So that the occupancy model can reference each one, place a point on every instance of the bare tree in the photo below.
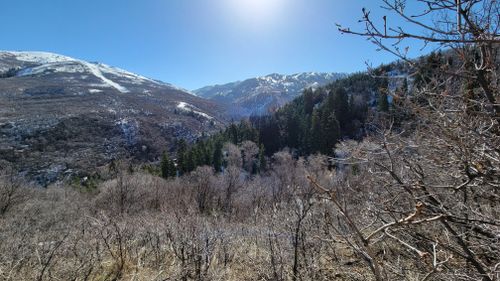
(430, 183)
(231, 176)
(249, 152)
(204, 193)
(471, 28)
(12, 189)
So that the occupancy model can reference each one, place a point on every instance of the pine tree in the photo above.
(198, 158)
(341, 107)
(316, 139)
(182, 156)
(208, 153)
(165, 166)
(172, 169)
(331, 133)
(232, 133)
(306, 138)
(293, 129)
(308, 101)
(190, 160)
(217, 156)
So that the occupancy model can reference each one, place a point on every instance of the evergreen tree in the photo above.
(306, 138)
(308, 101)
(172, 169)
(330, 133)
(167, 167)
(269, 133)
(341, 107)
(232, 134)
(198, 158)
(190, 160)
(316, 138)
(182, 157)
(293, 129)
(217, 156)
(208, 153)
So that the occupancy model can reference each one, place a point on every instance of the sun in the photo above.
(255, 14)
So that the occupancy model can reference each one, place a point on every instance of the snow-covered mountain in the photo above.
(43, 63)
(264, 94)
(60, 116)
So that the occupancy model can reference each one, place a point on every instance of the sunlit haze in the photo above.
(255, 15)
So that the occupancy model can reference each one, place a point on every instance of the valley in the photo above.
(381, 164)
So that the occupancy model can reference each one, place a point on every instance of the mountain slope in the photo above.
(62, 116)
(264, 94)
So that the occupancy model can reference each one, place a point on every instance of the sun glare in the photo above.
(255, 14)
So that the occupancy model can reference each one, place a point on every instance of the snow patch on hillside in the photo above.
(130, 130)
(68, 67)
(38, 57)
(96, 71)
(125, 74)
(191, 108)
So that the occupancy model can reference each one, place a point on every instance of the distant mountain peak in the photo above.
(262, 94)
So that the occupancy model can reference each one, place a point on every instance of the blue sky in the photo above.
(193, 43)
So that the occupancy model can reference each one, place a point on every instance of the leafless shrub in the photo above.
(159, 231)
(12, 189)
(249, 151)
(284, 171)
(204, 192)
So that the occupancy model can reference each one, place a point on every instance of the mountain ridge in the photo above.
(264, 94)
(63, 117)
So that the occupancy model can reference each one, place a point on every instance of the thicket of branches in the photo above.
(200, 226)
(434, 180)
